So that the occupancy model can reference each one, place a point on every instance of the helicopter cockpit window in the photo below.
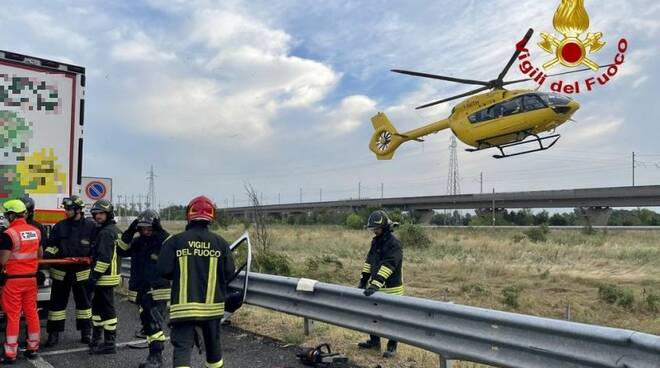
(533, 102)
(555, 99)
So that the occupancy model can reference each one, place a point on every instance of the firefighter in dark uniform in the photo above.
(104, 277)
(29, 205)
(200, 264)
(153, 291)
(71, 237)
(382, 269)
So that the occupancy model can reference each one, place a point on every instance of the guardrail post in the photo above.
(444, 363)
(308, 326)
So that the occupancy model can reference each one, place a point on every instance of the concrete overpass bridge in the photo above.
(596, 203)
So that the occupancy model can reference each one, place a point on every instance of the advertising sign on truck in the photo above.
(41, 126)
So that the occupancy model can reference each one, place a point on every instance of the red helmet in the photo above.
(200, 208)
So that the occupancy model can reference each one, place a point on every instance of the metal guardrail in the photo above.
(459, 332)
(455, 332)
(551, 227)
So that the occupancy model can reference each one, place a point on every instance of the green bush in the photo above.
(511, 296)
(474, 289)
(517, 238)
(538, 234)
(355, 221)
(413, 236)
(272, 263)
(612, 294)
(652, 301)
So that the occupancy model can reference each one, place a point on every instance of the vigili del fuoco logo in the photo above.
(572, 49)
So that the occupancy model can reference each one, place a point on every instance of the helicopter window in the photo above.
(512, 106)
(555, 99)
(532, 102)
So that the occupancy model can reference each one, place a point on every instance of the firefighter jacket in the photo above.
(42, 231)
(70, 238)
(382, 267)
(105, 261)
(144, 253)
(24, 257)
(200, 266)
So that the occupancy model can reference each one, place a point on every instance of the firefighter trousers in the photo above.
(20, 294)
(103, 309)
(152, 316)
(63, 283)
(183, 339)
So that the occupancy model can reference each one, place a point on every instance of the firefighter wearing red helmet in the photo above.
(200, 265)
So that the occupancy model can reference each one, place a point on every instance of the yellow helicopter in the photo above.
(498, 119)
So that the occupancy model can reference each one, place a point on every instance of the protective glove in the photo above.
(133, 227)
(370, 290)
(156, 225)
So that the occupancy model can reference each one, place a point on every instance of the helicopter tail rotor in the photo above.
(386, 139)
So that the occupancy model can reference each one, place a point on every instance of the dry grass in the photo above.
(472, 267)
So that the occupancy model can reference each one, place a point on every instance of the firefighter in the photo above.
(104, 277)
(29, 205)
(382, 269)
(71, 237)
(153, 291)
(19, 257)
(200, 264)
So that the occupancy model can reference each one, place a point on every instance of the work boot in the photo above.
(372, 343)
(5, 361)
(107, 347)
(140, 334)
(86, 336)
(53, 339)
(391, 349)
(155, 358)
(31, 354)
(97, 334)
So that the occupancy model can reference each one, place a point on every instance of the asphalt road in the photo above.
(241, 349)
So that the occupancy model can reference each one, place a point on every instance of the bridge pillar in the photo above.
(423, 216)
(596, 216)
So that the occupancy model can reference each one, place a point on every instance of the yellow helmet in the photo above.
(14, 205)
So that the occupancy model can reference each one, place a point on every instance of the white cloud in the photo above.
(352, 112)
(139, 48)
(607, 126)
(46, 27)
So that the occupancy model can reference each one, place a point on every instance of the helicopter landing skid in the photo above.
(485, 145)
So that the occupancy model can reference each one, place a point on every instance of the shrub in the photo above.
(652, 301)
(414, 236)
(273, 263)
(517, 238)
(511, 295)
(354, 221)
(538, 234)
(474, 289)
(612, 294)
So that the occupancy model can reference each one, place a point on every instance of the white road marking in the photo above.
(39, 362)
(78, 350)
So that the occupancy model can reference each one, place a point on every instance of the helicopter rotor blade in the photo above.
(554, 75)
(469, 93)
(519, 47)
(441, 77)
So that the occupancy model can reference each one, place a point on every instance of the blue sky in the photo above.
(279, 93)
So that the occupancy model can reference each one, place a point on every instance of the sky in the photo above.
(217, 95)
